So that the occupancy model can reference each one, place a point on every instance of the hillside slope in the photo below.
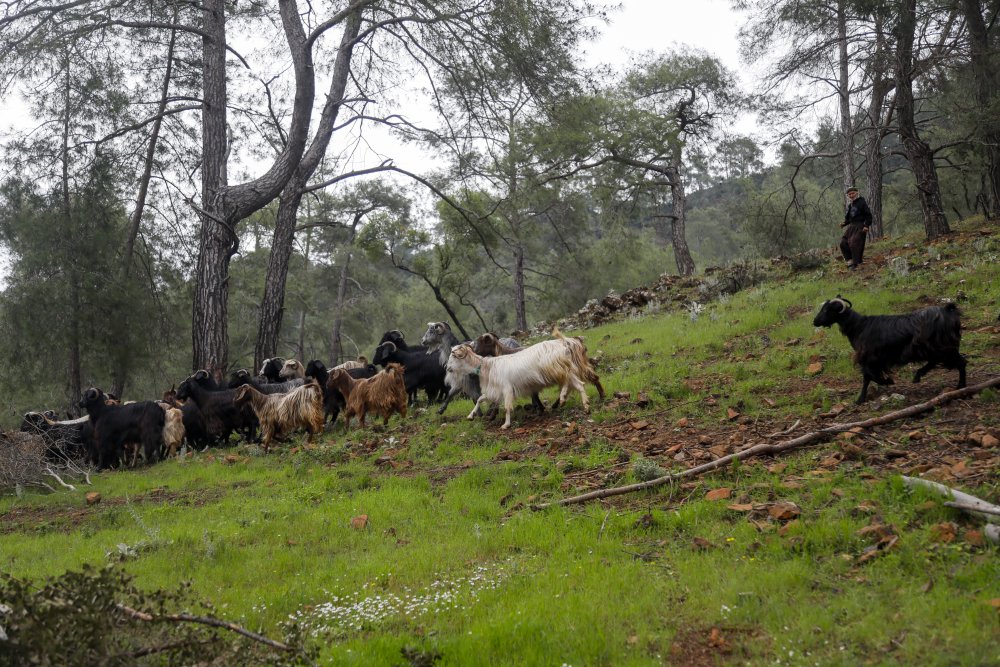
(821, 556)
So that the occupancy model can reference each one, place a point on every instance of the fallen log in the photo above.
(779, 447)
(964, 502)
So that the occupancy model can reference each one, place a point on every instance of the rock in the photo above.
(989, 442)
(93, 498)
(682, 422)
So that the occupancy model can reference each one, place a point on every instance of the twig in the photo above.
(971, 507)
(51, 473)
(204, 620)
(767, 448)
(787, 430)
(603, 523)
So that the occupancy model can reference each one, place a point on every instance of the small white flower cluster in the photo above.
(694, 310)
(355, 612)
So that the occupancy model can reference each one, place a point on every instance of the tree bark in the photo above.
(120, 372)
(984, 73)
(222, 205)
(74, 379)
(272, 304)
(336, 349)
(844, 95)
(682, 254)
(876, 131)
(917, 151)
(519, 306)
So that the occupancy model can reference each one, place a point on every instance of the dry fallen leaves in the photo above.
(93, 498)
(814, 368)
(719, 494)
(359, 522)
(944, 532)
(784, 511)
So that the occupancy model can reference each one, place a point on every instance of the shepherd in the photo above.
(857, 219)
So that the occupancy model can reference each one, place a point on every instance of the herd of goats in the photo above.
(287, 396)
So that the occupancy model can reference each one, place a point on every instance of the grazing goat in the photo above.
(383, 394)
(490, 345)
(242, 377)
(422, 370)
(282, 413)
(292, 370)
(562, 362)
(395, 337)
(173, 429)
(220, 414)
(117, 425)
(439, 341)
(333, 399)
(881, 342)
(271, 368)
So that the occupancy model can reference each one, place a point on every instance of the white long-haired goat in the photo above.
(560, 362)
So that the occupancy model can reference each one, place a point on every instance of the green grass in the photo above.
(451, 563)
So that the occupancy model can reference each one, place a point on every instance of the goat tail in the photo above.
(557, 334)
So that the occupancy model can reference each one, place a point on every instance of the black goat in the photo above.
(421, 370)
(242, 377)
(396, 338)
(116, 425)
(881, 342)
(439, 341)
(333, 399)
(271, 369)
(221, 415)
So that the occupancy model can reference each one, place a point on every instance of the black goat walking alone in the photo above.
(881, 342)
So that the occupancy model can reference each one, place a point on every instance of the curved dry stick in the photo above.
(776, 448)
(204, 620)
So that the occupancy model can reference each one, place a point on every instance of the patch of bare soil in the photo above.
(67, 519)
(716, 645)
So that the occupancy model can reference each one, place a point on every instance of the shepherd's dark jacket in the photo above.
(858, 212)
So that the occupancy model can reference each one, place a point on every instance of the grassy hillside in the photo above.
(450, 566)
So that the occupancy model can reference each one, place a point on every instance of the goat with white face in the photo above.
(502, 379)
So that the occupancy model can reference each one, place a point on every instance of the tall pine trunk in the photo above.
(272, 304)
(844, 95)
(218, 242)
(678, 238)
(985, 76)
(74, 381)
(519, 306)
(917, 151)
(120, 372)
(875, 131)
(336, 347)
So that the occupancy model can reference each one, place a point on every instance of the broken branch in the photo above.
(204, 620)
(766, 448)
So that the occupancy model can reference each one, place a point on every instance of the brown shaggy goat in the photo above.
(282, 413)
(173, 428)
(382, 394)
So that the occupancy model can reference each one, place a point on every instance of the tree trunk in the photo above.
(120, 372)
(222, 205)
(844, 95)
(74, 382)
(875, 132)
(682, 254)
(301, 354)
(336, 348)
(519, 307)
(272, 305)
(984, 73)
(210, 327)
(917, 151)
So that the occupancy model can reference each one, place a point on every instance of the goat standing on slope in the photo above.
(281, 413)
(562, 362)
(383, 394)
(881, 342)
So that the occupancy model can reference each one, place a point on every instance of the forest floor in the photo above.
(416, 544)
